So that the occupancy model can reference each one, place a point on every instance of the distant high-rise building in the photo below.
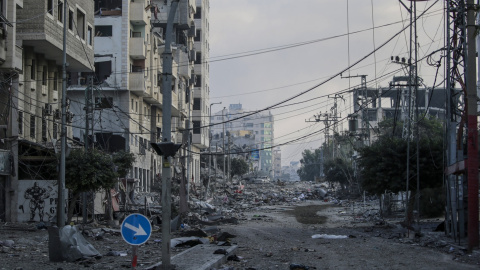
(261, 126)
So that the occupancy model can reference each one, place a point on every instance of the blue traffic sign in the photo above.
(136, 229)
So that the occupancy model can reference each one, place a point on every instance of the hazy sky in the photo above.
(263, 52)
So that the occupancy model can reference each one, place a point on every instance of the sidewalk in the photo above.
(199, 257)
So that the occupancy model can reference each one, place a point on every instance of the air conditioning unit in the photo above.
(48, 109)
(57, 114)
(70, 116)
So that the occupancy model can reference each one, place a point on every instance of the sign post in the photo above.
(136, 229)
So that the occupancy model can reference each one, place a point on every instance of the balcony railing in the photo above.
(136, 83)
(138, 14)
(137, 48)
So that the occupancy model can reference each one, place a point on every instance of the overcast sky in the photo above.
(296, 45)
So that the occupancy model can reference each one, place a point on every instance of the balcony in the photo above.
(183, 17)
(154, 96)
(138, 14)
(200, 141)
(137, 48)
(136, 83)
(178, 124)
(183, 62)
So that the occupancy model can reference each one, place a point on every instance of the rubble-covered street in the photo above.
(276, 226)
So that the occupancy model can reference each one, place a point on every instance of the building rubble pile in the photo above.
(227, 204)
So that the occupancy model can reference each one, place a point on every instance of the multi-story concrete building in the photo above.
(277, 162)
(260, 124)
(31, 61)
(125, 111)
(201, 89)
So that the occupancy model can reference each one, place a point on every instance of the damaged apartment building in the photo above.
(114, 95)
(122, 100)
(31, 60)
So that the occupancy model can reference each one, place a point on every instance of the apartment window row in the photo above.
(44, 76)
(83, 30)
(33, 127)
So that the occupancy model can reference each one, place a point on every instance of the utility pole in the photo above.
(167, 137)
(210, 147)
(61, 177)
(327, 119)
(229, 159)
(455, 65)
(472, 140)
(334, 109)
(189, 147)
(223, 147)
(88, 120)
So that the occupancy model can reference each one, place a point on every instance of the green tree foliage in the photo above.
(239, 167)
(123, 162)
(89, 171)
(383, 165)
(93, 170)
(339, 171)
(310, 165)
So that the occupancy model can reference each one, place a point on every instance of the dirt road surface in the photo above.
(280, 237)
(269, 237)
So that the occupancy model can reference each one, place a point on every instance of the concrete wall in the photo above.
(37, 203)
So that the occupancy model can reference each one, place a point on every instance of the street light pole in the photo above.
(209, 146)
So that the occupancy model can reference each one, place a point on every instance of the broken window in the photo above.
(20, 122)
(197, 104)
(103, 30)
(80, 24)
(89, 36)
(50, 7)
(196, 127)
(103, 70)
(32, 126)
(198, 14)
(70, 20)
(55, 132)
(44, 129)
(44, 75)
(198, 35)
(60, 11)
(32, 70)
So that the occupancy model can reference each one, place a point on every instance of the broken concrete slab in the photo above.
(200, 257)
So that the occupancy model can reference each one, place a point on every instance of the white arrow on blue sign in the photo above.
(136, 229)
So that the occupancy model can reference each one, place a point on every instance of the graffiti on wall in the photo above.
(37, 200)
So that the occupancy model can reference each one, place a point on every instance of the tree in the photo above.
(310, 165)
(239, 167)
(123, 163)
(91, 171)
(383, 165)
(339, 171)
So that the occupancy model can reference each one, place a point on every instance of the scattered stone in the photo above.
(8, 243)
(220, 251)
